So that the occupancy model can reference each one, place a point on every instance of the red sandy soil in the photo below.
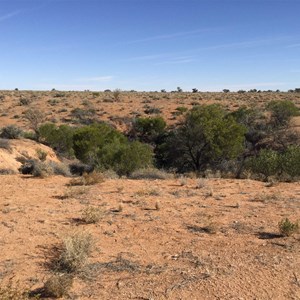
(57, 106)
(141, 252)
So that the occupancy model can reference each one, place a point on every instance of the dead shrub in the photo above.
(42, 169)
(74, 253)
(58, 285)
(91, 215)
(150, 173)
(88, 179)
(4, 144)
(5, 171)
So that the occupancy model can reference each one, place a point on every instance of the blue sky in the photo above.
(150, 44)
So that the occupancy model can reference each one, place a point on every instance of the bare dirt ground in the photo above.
(161, 239)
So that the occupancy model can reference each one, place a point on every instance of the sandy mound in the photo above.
(12, 150)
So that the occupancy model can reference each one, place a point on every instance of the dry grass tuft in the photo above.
(88, 179)
(75, 251)
(58, 285)
(91, 215)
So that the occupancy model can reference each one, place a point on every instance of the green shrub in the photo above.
(126, 157)
(148, 129)
(11, 132)
(288, 228)
(282, 111)
(59, 138)
(104, 147)
(290, 162)
(267, 163)
(84, 116)
(89, 139)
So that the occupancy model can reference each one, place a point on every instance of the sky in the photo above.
(149, 45)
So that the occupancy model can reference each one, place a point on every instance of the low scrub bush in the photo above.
(58, 285)
(11, 132)
(102, 146)
(290, 161)
(43, 169)
(75, 251)
(91, 215)
(288, 228)
(88, 179)
(4, 144)
(59, 138)
(5, 171)
(267, 163)
(150, 173)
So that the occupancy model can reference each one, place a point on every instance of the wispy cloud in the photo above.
(96, 79)
(178, 60)
(9, 15)
(248, 44)
(170, 57)
(181, 34)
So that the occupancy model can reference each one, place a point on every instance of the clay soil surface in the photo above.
(161, 239)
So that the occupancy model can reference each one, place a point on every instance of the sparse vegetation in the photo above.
(11, 132)
(58, 285)
(88, 179)
(13, 291)
(287, 227)
(91, 215)
(75, 250)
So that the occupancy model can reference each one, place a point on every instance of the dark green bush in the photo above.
(59, 138)
(267, 163)
(273, 163)
(206, 136)
(89, 139)
(290, 161)
(104, 147)
(148, 129)
(282, 111)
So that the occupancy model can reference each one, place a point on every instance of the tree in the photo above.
(206, 136)
(148, 129)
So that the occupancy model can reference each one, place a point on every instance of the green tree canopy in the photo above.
(206, 136)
